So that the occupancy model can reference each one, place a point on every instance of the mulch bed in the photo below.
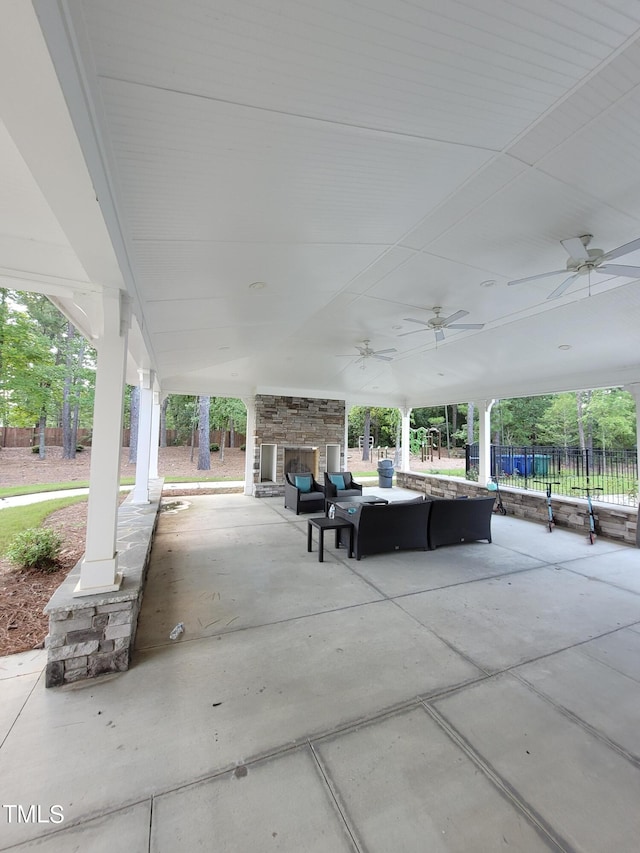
(23, 594)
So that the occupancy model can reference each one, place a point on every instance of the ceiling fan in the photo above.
(438, 323)
(367, 352)
(583, 260)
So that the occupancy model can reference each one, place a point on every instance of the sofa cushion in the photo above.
(337, 480)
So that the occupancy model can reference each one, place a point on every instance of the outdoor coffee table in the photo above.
(356, 500)
(321, 524)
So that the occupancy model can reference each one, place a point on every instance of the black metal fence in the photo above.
(612, 475)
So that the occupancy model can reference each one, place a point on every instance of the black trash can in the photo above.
(385, 474)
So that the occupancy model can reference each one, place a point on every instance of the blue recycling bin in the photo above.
(506, 465)
(385, 474)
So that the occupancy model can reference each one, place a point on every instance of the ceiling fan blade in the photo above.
(614, 269)
(457, 316)
(465, 326)
(439, 335)
(380, 351)
(576, 249)
(413, 320)
(535, 277)
(562, 287)
(633, 246)
(381, 357)
(415, 331)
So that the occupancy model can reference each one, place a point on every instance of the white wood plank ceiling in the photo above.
(366, 160)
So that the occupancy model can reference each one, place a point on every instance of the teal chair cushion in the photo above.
(337, 480)
(303, 482)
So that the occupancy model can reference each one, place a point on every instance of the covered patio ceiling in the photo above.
(362, 162)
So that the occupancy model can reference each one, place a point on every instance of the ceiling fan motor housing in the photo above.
(584, 266)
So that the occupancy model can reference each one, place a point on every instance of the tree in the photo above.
(134, 420)
(46, 370)
(226, 413)
(366, 435)
(69, 434)
(516, 419)
(470, 411)
(383, 422)
(182, 414)
(40, 390)
(163, 421)
(22, 350)
(204, 453)
(611, 411)
(558, 425)
(580, 409)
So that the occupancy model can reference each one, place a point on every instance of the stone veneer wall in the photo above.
(94, 634)
(295, 422)
(614, 522)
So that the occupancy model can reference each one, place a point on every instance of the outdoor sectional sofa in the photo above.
(459, 520)
(419, 523)
(378, 528)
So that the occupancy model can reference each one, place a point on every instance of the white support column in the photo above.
(99, 568)
(250, 444)
(484, 441)
(405, 463)
(143, 456)
(634, 390)
(155, 435)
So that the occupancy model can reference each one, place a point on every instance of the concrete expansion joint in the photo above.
(577, 720)
(497, 779)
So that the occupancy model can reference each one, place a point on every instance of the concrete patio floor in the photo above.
(475, 698)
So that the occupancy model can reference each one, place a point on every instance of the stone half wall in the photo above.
(614, 522)
(295, 422)
(94, 634)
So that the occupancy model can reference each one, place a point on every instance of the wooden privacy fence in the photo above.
(29, 437)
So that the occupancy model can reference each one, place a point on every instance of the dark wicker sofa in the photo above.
(459, 520)
(419, 523)
(379, 528)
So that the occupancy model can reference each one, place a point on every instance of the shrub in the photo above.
(214, 447)
(79, 448)
(35, 448)
(36, 548)
(243, 447)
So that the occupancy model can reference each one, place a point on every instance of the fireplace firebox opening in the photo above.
(301, 460)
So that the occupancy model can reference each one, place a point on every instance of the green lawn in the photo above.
(13, 491)
(575, 486)
(15, 519)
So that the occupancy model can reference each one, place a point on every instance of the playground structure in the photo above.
(425, 442)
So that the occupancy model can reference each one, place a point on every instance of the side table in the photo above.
(323, 523)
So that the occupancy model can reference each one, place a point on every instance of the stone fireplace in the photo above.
(296, 435)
